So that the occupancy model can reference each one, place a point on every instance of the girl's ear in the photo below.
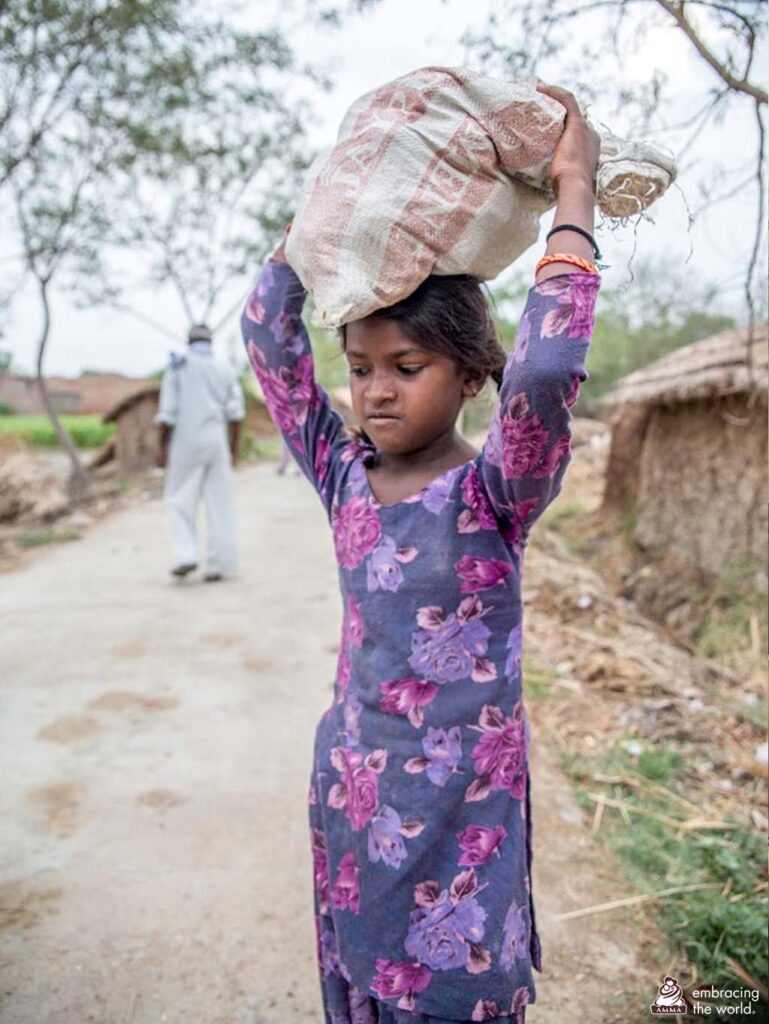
(471, 387)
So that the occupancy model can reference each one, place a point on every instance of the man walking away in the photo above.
(201, 403)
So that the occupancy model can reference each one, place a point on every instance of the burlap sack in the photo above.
(442, 171)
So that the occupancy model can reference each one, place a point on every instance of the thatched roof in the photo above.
(151, 391)
(725, 364)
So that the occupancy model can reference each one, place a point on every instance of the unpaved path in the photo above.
(155, 751)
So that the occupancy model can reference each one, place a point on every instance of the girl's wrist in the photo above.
(573, 184)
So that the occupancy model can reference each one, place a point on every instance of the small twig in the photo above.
(755, 637)
(598, 816)
(632, 901)
(747, 978)
(623, 809)
(129, 1014)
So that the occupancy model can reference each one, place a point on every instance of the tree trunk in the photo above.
(79, 478)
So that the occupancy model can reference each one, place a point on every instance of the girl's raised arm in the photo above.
(279, 351)
(527, 450)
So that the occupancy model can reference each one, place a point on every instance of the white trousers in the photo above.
(188, 480)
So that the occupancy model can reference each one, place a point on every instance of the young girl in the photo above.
(420, 807)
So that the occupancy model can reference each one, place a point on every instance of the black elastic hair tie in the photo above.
(580, 231)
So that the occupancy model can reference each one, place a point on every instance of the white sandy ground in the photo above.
(155, 748)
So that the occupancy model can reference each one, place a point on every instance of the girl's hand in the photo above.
(576, 155)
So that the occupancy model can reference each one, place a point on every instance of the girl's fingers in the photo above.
(564, 97)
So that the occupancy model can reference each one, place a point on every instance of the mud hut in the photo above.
(688, 457)
(135, 444)
(136, 437)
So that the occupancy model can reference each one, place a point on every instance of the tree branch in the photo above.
(675, 8)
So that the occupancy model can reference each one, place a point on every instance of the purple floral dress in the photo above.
(420, 809)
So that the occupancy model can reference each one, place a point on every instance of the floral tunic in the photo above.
(420, 796)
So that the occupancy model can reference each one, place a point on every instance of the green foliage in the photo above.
(86, 431)
(621, 346)
(659, 312)
(561, 511)
(260, 449)
(39, 538)
(727, 919)
(733, 602)
(537, 682)
(330, 362)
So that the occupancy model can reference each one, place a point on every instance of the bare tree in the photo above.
(536, 36)
(61, 215)
(102, 98)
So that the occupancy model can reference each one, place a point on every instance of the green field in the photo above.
(86, 431)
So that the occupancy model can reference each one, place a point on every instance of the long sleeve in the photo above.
(281, 356)
(168, 406)
(528, 447)
(235, 406)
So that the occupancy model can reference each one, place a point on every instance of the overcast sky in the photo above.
(397, 37)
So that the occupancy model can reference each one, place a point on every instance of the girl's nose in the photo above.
(381, 388)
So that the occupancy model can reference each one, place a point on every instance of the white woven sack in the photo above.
(442, 171)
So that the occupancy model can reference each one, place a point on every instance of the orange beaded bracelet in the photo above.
(566, 257)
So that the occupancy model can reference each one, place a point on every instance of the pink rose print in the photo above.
(573, 394)
(383, 571)
(501, 754)
(446, 929)
(485, 1009)
(407, 697)
(320, 868)
(524, 438)
(479, 844)
(551, 460)
(358, 792)
(354, 622)
(522, 340)
(478, 515)
(515, 940)
(345, 892)
(255, 310)
(322, 456)
(481, 573)
(343, 672)
(351, 712)
(514, 640)
(356, 529)
(290, 393)
(275, 390)
(574, 312)
(442, 755)
(520, 999)
(328, 951)
(400, 980)
(452, 647)
(352, 636)
(521, 518)
(385, 836)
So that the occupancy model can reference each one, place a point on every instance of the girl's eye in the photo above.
(358, 371)
(411, 371)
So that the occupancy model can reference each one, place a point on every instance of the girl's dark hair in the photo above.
(449, 315)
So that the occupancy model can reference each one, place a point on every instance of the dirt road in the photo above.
(155, 749)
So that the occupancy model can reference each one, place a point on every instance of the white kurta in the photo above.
(198, 398)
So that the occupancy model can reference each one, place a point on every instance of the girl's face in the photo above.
(404, 396)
